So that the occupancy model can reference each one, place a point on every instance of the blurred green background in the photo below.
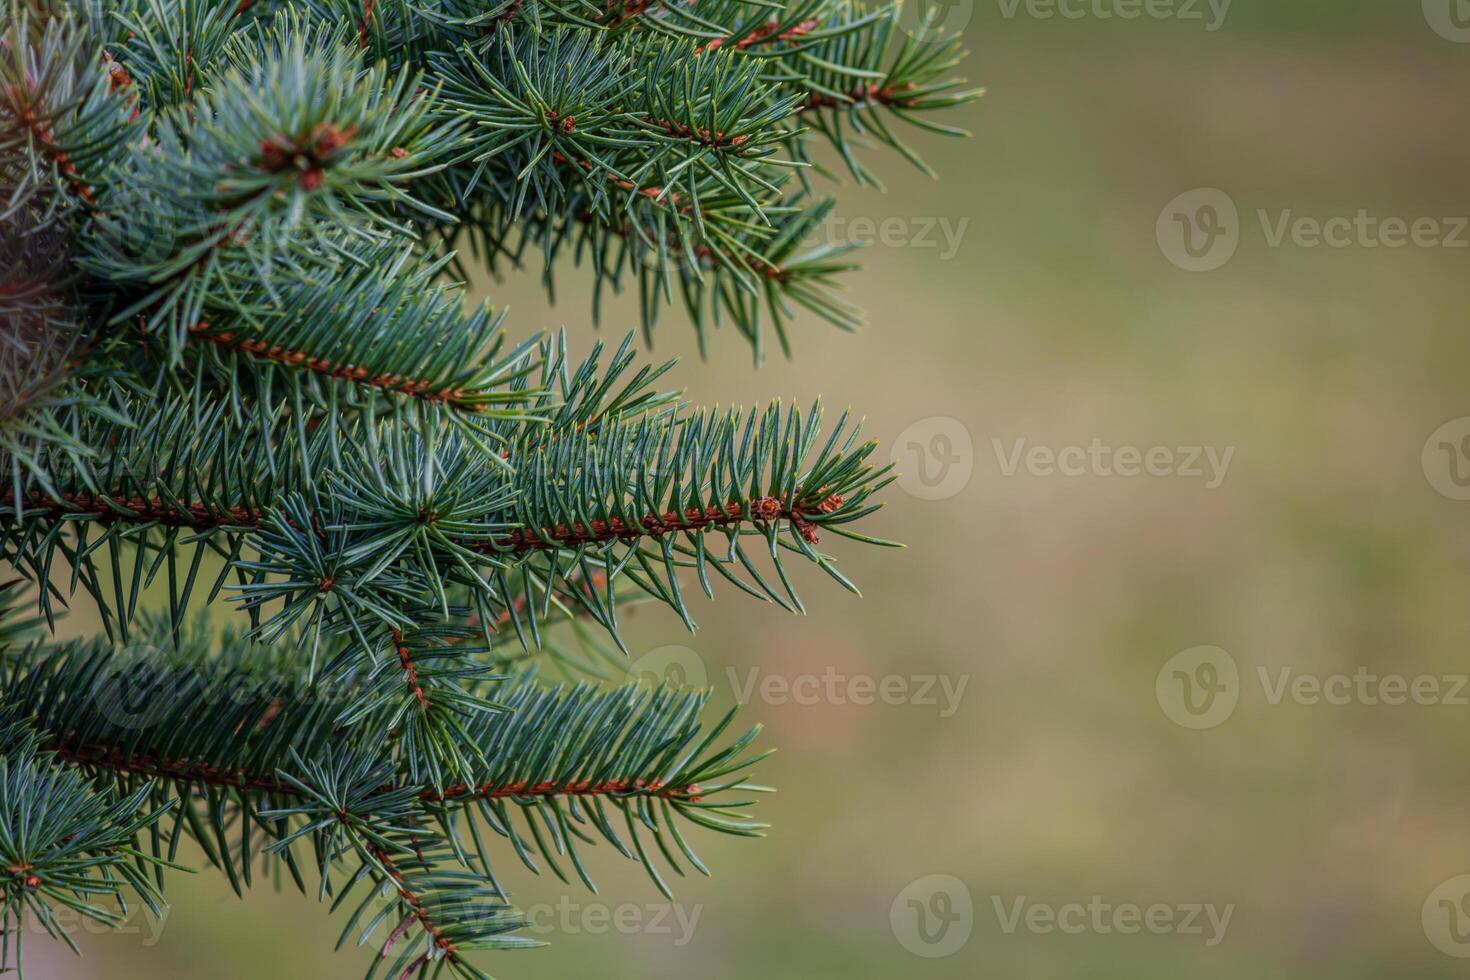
(1057, 600)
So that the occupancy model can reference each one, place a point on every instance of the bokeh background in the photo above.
(1057, 601)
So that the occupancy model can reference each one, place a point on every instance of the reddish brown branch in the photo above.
(34, 120)
(155, 510)
(157, 767)
(365, 23)
(141, 510)
(611, 787)
(391, 383)
(565, 536)
(765, 33)
(716, 139)
(863, 95)
(655, 194)
(412, 900)
(410, 671)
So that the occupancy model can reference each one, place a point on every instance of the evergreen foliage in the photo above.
(237, 367)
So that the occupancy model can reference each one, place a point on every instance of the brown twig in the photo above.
(202, 517)
(37, 122)
(655, 194)
(765, 33)
(414, 903)
(159, 767)
(410, 671)
(864, 95)
(392, 383)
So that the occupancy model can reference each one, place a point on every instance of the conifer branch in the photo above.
(201, 517)
(233, 366)
(231, 723)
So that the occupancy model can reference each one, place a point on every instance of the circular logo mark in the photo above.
(933, 917)
(674, 666)
(1450, 19)
(1199, 230)
(1446, 917)
(135, 695)
(929, 20)
(1446, 459)
(935, 457)
(1199, 687)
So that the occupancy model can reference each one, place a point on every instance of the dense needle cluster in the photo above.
(238, 373)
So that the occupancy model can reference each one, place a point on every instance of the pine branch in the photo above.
(302, 147)
(384, 325)
(565, 131)
(232, 365)
(201, 727)
(65, 842)
(65, 110)
(401, 515)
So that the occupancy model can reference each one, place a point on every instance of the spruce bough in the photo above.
(237, 368)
